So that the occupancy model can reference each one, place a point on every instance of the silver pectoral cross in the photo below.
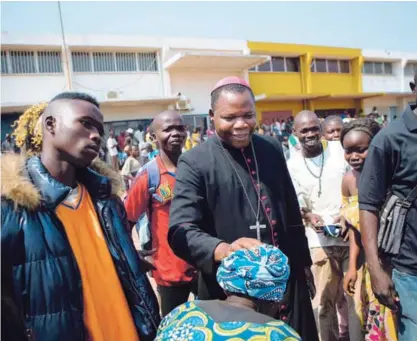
(258, 228)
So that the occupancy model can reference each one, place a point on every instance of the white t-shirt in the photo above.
(307, 187)
(138, 136)
(131, 166)
(112, 146)
(143, 148)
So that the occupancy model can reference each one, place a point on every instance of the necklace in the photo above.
(321, 170)
(257, 225)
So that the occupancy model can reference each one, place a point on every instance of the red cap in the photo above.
(231, 80)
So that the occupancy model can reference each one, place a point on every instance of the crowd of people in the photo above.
(303, 229)
(130, 150)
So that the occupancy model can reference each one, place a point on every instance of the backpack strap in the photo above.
(154, 178)
(144, 224)
(408, 201)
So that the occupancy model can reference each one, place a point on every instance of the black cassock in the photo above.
(210, 206)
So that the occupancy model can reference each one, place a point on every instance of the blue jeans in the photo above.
(406, 286)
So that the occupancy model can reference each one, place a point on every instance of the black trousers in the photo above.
(174, 296)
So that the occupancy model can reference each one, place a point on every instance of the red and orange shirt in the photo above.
(169, 268)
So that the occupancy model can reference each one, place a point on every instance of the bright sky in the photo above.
(373, 25)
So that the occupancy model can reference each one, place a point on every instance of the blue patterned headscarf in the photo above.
(261, 272)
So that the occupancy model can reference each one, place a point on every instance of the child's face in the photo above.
(356, 144)
(135, 152)
(332, 131)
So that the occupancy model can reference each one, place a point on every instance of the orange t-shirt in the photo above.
(169, 268)
(107, 316)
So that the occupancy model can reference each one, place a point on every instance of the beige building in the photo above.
(134, 78)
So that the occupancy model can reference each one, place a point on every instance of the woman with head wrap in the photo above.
(248, 277)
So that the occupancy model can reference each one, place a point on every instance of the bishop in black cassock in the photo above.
(210, 206)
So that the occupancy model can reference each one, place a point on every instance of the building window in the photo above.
(114, 62)
(344, 66)
(330, 66)
(22, 61)
(266, 67)
(28, 62)
(4, 62)
(103, 62)
(409, 70)
(320, 65)
(49, 62)
(147, 62)
(368, 68)
(279, 64)
(125, 62)
(377, 68)
(388, 68)
(81, 62)
(292, 64)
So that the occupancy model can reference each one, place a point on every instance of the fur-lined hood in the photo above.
(17, 187)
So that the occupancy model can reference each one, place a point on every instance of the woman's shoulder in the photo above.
(176, 322)
(280, 331)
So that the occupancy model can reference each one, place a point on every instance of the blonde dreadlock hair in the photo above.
(28, 130)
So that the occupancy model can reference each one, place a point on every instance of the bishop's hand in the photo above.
(224, 249)
(243, 243)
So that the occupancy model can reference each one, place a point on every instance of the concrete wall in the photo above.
(383, 105)
(397, 82)
(34, 88)
(381, 83)
(406, 83)
(385, 83)
(276, 82)
(28, 89)
(122, 113)
(333, 83)
(129, 85)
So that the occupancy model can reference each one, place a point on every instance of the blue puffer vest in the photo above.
(38, 260)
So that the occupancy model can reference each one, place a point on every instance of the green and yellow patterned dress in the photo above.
(188, 322)
(378, 322)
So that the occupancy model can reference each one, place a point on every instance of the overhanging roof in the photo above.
(7, 108)
(287, 97)
(141, 101)
(214, 60)
(362, 95)
(398, 94)
(16, 107)
(302, 97)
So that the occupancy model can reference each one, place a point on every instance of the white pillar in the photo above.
(401, 74)
(160, 64)
(245, 75)
(165, 76)
(67, 65)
